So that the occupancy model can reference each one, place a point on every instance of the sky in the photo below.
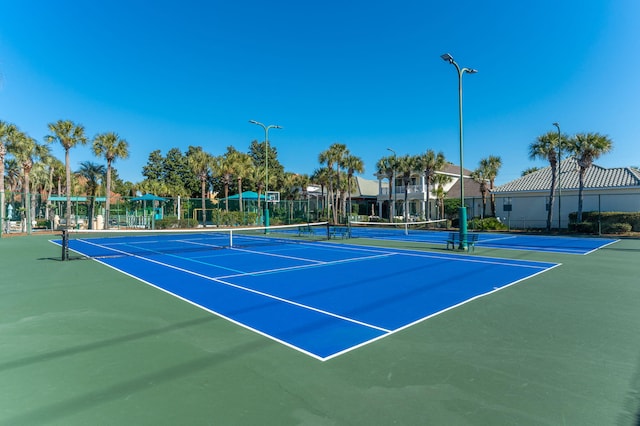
(368, 74)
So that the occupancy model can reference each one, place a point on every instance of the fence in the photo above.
(38, 212)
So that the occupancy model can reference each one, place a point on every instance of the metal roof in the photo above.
(596, 177)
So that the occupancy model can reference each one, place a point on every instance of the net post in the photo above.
(230, 238)
(65, 244)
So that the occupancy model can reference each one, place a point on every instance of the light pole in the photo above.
(266, 167)
(559, 173)
(392, 195)
(463, 210)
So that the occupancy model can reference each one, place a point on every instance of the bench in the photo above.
(339, 231)
(471, 241)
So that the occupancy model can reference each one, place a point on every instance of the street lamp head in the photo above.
(470, 70)
(557, 125)
(447, 58)
(253, 122)
(277, 127)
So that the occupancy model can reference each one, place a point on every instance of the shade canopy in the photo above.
(247, 195)
(148, 197)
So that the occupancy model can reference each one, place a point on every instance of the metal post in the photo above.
(266, 167)
(463, 210)
(559, 174)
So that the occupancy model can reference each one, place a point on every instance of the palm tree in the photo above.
(430, 163)
(333, 156)
(243, 167)
(386, 166)
(439, 181)
(587, 147)
(546, 147)
(479, 175)
(322, 176)
(491, 165)
(201, 163)
(27, 152)
(258, 177)
(53, 167)
(7, 132)
(226, 169)
(353, 165)
(93, 174)
(407, 164)
(111, 147)
(68, 134)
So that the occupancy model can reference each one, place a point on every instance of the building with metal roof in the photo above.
(524, 201)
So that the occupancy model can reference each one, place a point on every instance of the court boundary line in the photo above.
(479, 243)
(261, 293)
(383, 252)
(455, 256)
(418, 321)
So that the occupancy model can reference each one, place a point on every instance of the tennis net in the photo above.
(386, 229)
(115, 243)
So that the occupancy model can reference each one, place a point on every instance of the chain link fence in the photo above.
(26, 214)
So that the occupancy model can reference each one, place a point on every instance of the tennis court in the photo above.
(501, 240)
(84, 343)
(278, 286)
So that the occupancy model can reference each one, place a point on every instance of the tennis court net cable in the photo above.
(115, 243)
(384, 229)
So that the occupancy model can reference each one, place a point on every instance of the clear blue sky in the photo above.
(368, 74)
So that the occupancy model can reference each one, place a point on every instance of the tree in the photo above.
(243, 168)
(334, 156)
(94, 175)
(27, 152)
(200, 164)
(491, 165)
(479, 175)
(54, 169)
(153, 170)
(7, 132)
(322, 176)
(439, 181)
(407, 164)
(276, 170)
(587, 147)
(546, 147)
(529, 170)
(225, 168)
(68, 134)
(430, 163)
(111, 147)
(353, 165)
(386, 166)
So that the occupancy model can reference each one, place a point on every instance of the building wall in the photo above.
(530, 210)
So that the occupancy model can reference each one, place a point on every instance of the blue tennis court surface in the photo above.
(321, 299)
(552, 244)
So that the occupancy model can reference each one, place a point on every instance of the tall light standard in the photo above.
(392, 195)
(559, 173)
(266, 166)
(463, 210)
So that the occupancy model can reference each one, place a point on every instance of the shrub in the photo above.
(617, 228)
(487, 224)
(175, 223)
(583, 227)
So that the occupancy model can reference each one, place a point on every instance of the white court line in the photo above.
(261, 293)
(319, 263)
(459, 257)
(496, 239)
